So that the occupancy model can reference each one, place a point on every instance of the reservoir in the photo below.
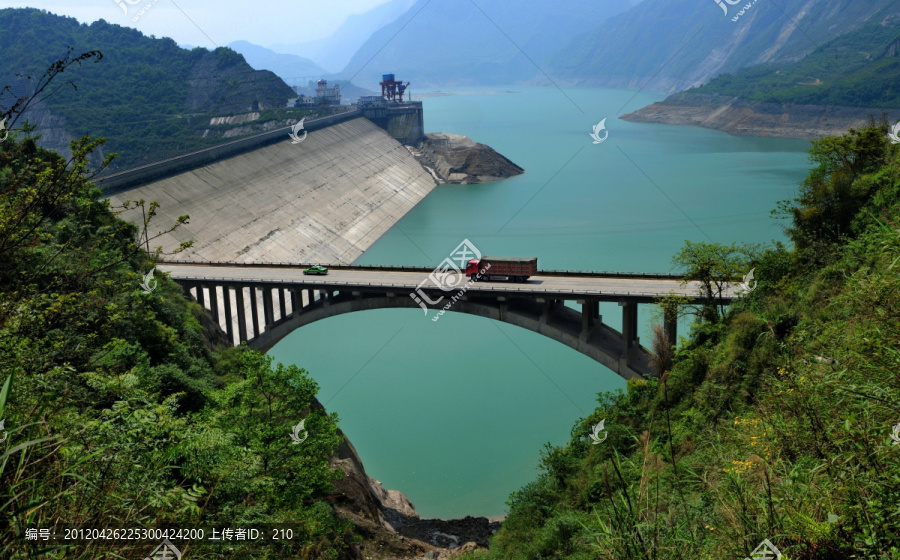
(455, 413)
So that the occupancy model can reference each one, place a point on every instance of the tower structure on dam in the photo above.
(403, 120)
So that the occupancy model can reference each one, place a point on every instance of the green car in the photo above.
(316, 269)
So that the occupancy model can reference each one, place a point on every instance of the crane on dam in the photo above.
(391, 89)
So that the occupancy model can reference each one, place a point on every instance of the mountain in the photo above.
(842, 84)
(293, 69)
(150, 98)
(335, 51)
(454, 42)
(858, 69)
(669, 45)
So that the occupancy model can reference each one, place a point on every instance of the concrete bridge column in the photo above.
(226, 295)
(629, 325)
(545, 310)
(307, 295)
(670, 325)
(587, 315)
(281, 306)
(590, 317)
(268, 308)
(241, 314)
(295, 308)
(214, 303)
(254, 311)
(200, 298)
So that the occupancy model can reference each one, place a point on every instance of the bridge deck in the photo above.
(600, 287)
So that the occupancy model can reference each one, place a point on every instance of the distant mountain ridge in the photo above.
(458, 42)
(289, 67)
(334, 52)
(661, 45)
(670, 45)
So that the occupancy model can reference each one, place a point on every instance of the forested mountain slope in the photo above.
(148, 97)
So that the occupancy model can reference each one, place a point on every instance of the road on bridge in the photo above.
(565, 287)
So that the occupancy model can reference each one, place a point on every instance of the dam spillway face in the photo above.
(324, 200)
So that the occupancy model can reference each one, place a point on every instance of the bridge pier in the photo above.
(670, 326)
(241, 314)
(281, 303)
(294, 307)
(545, 310)
(268, 308)
(229, 328)
(214, 303)
(254, 310)
(590, 318)
(629, 325)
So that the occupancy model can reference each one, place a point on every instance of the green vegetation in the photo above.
(119, 411)
(148, 97)
(773, 421)
(858, 69)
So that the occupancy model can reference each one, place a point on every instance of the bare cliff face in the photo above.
(453, 158)
(751, 118)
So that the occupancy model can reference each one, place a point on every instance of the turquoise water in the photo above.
(455, 413)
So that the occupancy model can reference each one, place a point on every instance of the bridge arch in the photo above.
(582, 331)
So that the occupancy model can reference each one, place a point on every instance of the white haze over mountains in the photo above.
(334, 52)
(660, 45)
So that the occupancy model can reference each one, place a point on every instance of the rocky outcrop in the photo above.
(453, 158)
(388, 522)
(752, 118)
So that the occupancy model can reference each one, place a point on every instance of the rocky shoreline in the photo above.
(388, 523)
(453, 158)
(751, 118)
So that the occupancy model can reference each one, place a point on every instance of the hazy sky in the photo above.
(207, 23)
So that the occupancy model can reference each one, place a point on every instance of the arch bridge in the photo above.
(261, 304)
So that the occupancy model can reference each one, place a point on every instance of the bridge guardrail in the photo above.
(426, 270)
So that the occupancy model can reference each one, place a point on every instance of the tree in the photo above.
(835, 190)
(714, 266)
(260, 409)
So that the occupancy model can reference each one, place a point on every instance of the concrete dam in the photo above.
(268, 200)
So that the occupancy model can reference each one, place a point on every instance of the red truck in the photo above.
(510, 269)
